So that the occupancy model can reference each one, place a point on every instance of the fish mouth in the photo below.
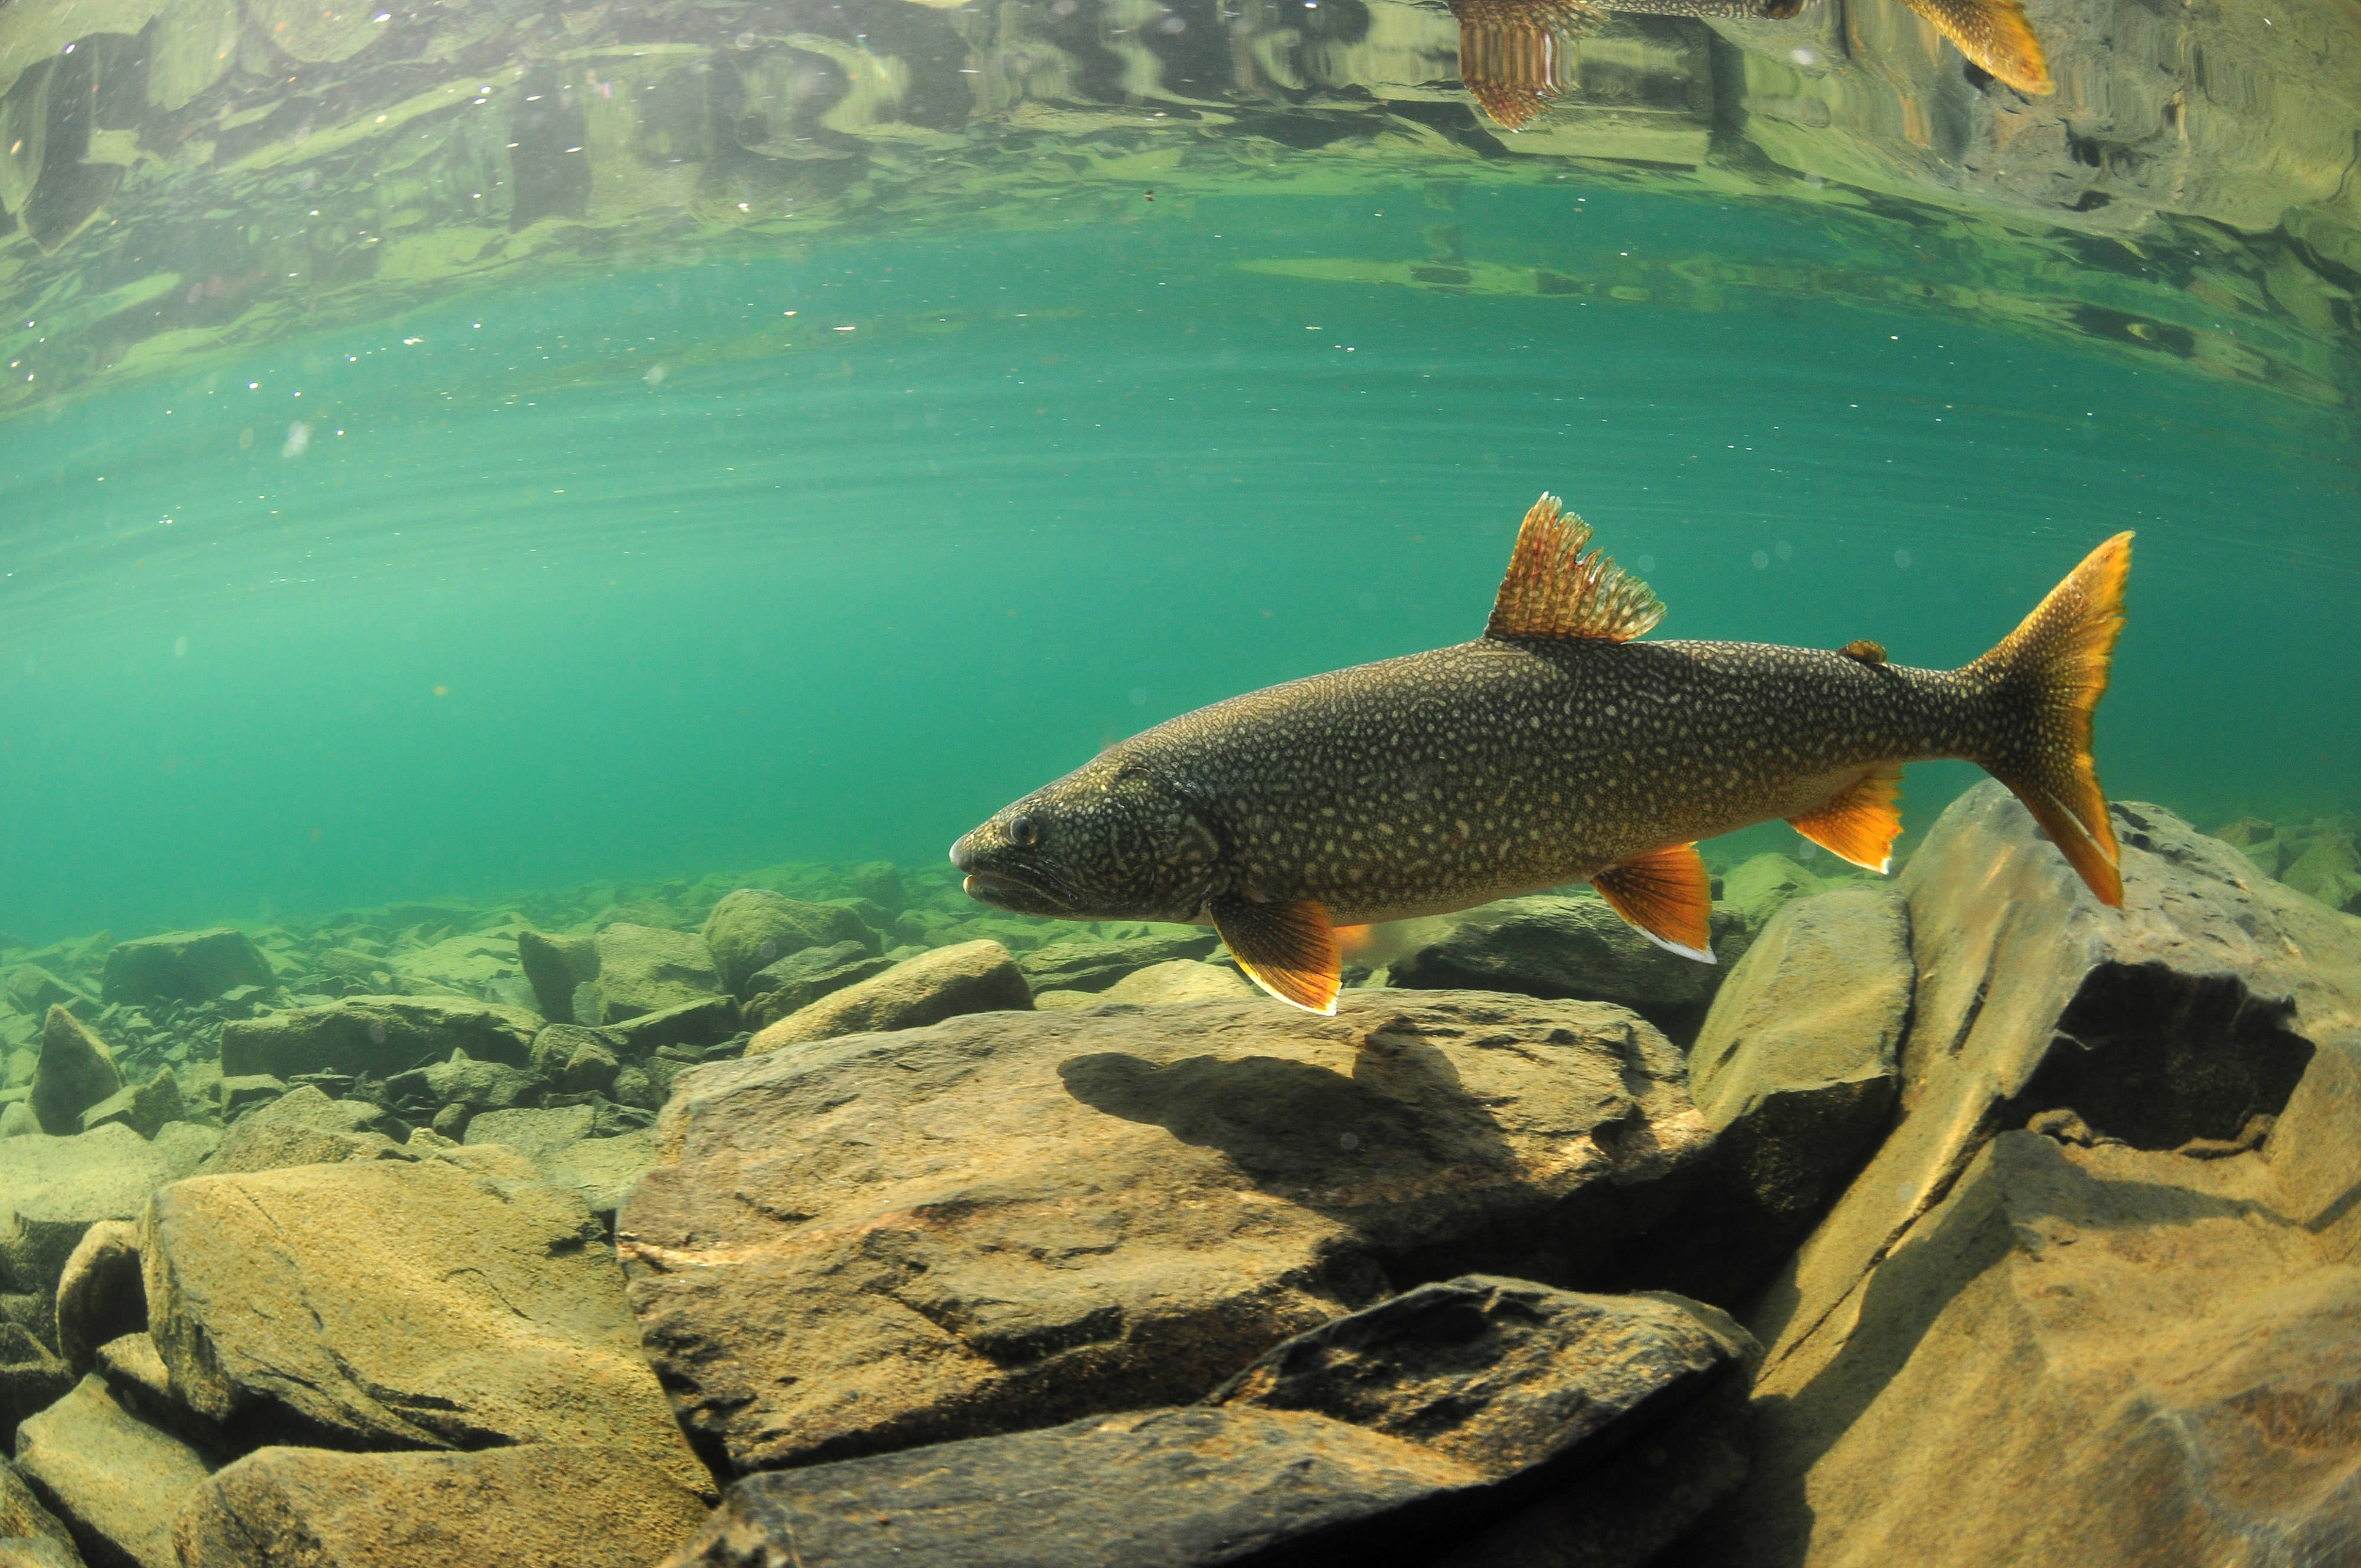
(1006, 890)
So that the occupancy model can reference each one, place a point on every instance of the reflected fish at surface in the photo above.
(1516, 56)
(1555, 748)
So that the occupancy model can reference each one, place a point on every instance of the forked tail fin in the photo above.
(2047, 678)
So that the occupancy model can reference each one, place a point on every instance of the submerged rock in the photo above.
(1556, 946)
(801, 977)
(1986, 1339)
(24, 1524)
(377, 1035)
(77, 1071)
(463, 1080)
(1176, 1488)
(302, 1127)
(644, 969)
(58, 1188)
(1085, 964)
(1797, 1066)
(1524, 1384)
(753, 928)
(973, 976)
(184, 966)
(117, 1481)
(144, 1107)
(478, 1312)
(558, 968)
(540, 1503)
(1013, 1218)
(32, 1378)
(2078, 1356)
(99, 1297)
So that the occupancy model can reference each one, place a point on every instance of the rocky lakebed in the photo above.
(816, 1216)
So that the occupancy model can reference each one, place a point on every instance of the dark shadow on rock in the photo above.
(2157, 1057)
(1388, 1149)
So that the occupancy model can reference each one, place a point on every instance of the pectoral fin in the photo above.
(1290, 949)
(1667, 895)
(1860, 823)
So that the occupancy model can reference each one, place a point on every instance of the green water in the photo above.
(745, 548)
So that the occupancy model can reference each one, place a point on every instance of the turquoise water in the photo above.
(705, 558)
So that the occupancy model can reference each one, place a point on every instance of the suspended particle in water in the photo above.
(1761, 559)
(246, 439)
(1140, 696)
(299, 440)
(180, 647)
(1902, 559)
(1784, 550)
(1647, 564)
(654, 377)
(1802, 56)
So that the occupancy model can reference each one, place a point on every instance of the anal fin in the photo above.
(1288, 948)
(1667, 895)
(1860, 823)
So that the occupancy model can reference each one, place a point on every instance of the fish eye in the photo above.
(1023, 831)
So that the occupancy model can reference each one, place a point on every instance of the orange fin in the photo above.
(1859, 822)
(1516, 56)
(2048, 677)
(1290, 949)
(1996, 35)
(1665, 894)
(1553, 589)
(1865, 651)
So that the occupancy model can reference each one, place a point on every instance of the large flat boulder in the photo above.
(404, 1304)
(967, 977)
(1013, 1219)
(1553, 945)
(2078, 1356)
(1174, 1488)
(801, 977)
(181, 965)
(535, 1504)
(2184, 1015)
(117, 1481)
(376, 1035)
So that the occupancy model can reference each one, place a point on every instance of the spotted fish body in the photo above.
(1556, 748)
(1429, 782)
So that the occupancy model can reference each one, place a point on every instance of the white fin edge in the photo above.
(1686, 952)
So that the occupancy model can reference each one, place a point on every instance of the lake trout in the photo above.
(1517, 56)
(1556, 748)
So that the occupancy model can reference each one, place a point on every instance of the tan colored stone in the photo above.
(969, 977)
(1014, 1218)
(403, 1304)
(525, 1507)
(2157, 1023)
(116, 1481)
(77, 1071)
(2101, 1356)
(1797, 1067)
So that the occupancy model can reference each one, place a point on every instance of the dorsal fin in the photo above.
(1517, 56)
(1553, 589)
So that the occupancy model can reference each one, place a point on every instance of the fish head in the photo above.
(1109, 841)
